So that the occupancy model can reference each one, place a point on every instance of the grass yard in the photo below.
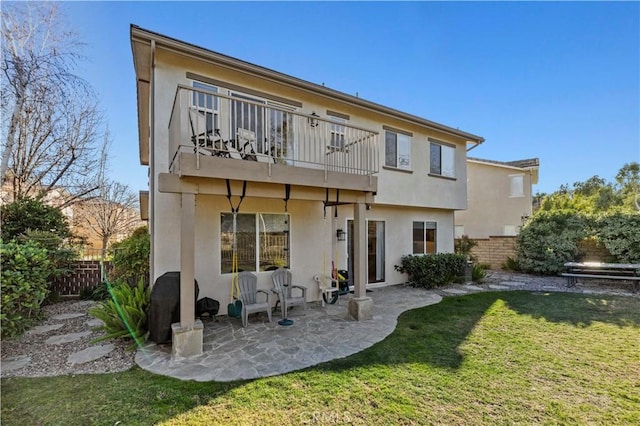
(487, 358)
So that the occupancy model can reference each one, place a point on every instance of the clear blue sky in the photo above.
(558, 81)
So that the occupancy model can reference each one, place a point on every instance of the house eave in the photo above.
(140, 35)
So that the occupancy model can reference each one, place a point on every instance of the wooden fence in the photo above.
(86, 275)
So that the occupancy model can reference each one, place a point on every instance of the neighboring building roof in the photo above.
(140, 35)
(532, 164)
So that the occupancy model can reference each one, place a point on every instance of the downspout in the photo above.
(152, 157)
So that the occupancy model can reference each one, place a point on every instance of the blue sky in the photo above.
(557, 81)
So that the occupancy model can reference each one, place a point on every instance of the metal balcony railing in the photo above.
(236, 127)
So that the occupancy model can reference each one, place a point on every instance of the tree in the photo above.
(112, 213)
(628, 180)
(26, 214)
(596, 195)
(50, 120)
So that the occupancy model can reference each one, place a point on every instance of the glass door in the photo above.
(375, 250)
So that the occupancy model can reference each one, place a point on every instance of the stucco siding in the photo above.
(490, 204)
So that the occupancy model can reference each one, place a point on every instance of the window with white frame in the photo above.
(207, 115)
(262, 241)
(424, 237)
(338, 132)
(397, 150)
(442, 159)
(516, 185)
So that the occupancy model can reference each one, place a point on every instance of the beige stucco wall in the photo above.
(402, 197)
(490, 206)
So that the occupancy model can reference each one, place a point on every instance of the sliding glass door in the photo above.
(375, 250)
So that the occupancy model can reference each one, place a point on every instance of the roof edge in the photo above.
(163, 40)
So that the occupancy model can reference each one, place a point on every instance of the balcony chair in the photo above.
(283, 288)
(249, 296)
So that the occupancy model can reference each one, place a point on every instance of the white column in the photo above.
(187, 262)
(360, 250)
(188, 333)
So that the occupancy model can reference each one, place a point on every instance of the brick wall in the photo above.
(86, 275)
(593, 251)
(495, 250)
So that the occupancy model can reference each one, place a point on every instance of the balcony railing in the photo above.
(236, 127)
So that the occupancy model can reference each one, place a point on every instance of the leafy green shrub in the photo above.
(23, 285)
(131, 257)
(431, 270)
(464, 245)
(549, 240)
(511, 264)
(478, 273)
(98, 292)
(28, 214)
(60, 256)
(125, 313)
(620, 234)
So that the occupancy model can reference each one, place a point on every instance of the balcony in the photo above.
(212, 135)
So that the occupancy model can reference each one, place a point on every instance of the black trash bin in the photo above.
(164, 308)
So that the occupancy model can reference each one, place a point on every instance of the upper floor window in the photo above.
(397, 150)
(516, 185)
(338, 132)
(207, 115)
(424, 237)
(442, 159)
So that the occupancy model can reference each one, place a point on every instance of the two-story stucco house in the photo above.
(314, 176)
(500, 196)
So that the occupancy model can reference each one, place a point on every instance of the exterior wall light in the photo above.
(341, 235)
(313, 122)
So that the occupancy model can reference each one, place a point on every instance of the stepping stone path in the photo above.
(473, 287)
(499, 287)
(513, 283)
(90, 354)
(44, 329)
(66, 338)
(15, 362)
(454, 291)
(62, 317)
(95, 322)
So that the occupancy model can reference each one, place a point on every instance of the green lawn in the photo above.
(488, 358)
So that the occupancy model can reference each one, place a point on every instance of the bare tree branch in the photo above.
(51, 125)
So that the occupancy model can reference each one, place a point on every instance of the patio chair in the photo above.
(249, 296)
(283, 288)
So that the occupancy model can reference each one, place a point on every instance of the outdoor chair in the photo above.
(248, 284)
(283, 288)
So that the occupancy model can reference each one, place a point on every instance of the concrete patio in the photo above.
(325, 333)
(262, 349)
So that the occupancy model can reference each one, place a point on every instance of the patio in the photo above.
(262, 349)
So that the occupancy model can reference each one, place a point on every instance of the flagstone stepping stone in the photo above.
(89, 354)
(454, 291)
(66, 338)
(15, 363)
(66, 316)
(44, 329)
(498, 287)
(473, 287)
(512, 283)
(95, 322)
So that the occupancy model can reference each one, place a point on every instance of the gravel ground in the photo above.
(52, 359)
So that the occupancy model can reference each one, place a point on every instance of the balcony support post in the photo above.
(187, 334)
(360, 306)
